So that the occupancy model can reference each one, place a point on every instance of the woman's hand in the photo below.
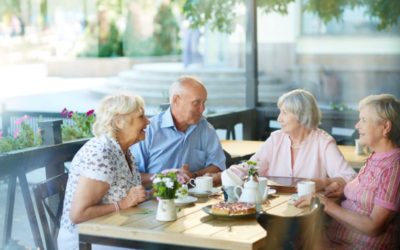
(135, 196)
(334, 189)
(305, 200)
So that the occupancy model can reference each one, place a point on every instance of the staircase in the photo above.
(226, 86)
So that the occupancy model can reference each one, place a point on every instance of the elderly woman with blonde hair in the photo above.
(301, 149)
(103, 177)
(369, 216)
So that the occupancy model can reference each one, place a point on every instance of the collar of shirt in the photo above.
(168, 122)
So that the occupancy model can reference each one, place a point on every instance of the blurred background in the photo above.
(69, 54)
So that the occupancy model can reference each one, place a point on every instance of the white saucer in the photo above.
(185, 200)
(271, 191)
(197, 193)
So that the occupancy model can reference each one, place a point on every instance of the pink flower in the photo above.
(20, 120)
(64, 112)
(70, 113)
(90, 112)
(16, 133)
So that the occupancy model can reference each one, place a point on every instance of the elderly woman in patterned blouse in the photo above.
(103, 177)
(369, 217)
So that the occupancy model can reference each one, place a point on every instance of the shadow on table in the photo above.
(295, 232)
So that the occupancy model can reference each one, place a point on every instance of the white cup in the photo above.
(202, 184)
(262, 187)
(359, 147)
(305, 188)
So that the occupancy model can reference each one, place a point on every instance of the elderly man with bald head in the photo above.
(180, 137)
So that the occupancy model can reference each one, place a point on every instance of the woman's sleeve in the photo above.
(99, 163)
(335, 163)
(388, 193)
(263, 156)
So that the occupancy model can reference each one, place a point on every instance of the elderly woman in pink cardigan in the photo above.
(301, 149)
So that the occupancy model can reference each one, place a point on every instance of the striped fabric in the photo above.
(378, 183)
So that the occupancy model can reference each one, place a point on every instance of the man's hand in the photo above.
(186, 172)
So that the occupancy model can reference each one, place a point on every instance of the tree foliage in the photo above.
(220, 14)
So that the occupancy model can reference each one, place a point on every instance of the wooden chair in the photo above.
(49, 198)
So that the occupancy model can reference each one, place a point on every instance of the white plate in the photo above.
(196, 193)
(271, 191)
(185, 201)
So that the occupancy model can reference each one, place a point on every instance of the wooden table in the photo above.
(355, 160)
(137, 227)
(241, 150)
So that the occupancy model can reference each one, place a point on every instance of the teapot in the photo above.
(250, 192)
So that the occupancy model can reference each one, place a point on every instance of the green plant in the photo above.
(166, 185)
(166, 31)
(24, 137)
(220, 15)
(252, 168)
(81, 127)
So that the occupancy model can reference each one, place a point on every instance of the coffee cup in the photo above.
(305, 188)
(359, 147)
(202, 184)
(263, 188)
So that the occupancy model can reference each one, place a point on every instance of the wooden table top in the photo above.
(237, 148)
(192, 228)
(349, 153)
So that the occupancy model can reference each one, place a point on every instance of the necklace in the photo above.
(295, 146)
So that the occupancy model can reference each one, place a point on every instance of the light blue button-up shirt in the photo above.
(166, 147)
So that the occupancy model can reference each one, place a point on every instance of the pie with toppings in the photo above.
(238, 208)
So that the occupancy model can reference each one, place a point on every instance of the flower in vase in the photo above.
(166, 185)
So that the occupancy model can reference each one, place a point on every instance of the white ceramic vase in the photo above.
(166, 210)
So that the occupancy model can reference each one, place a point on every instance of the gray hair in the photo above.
(178, 86)
(387, 108)
(303, 105)
(112, 108)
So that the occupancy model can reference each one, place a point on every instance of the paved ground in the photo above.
(21, 231)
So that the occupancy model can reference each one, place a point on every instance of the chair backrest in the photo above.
(49, 198)
(296, 232)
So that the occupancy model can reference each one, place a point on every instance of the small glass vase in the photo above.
(166, 210)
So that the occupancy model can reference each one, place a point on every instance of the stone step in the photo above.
(226, 86)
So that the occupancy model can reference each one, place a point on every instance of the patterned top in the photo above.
(100, 159)
(378, 183)
(318, 157)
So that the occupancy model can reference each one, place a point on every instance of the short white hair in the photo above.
(115, 107)
(303, 105)
(177, 87)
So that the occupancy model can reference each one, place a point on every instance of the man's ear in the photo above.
(175, 99)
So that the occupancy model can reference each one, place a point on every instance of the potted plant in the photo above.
(165, 187)
(81, 127)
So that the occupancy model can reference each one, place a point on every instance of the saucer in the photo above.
(271, 191)
(197, 193)
(185, 201)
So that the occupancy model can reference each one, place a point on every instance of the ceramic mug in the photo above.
(202, 184)
(359, 147)
(263, 188)
(305, 188)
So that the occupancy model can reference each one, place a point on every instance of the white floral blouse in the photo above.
(101, 159)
